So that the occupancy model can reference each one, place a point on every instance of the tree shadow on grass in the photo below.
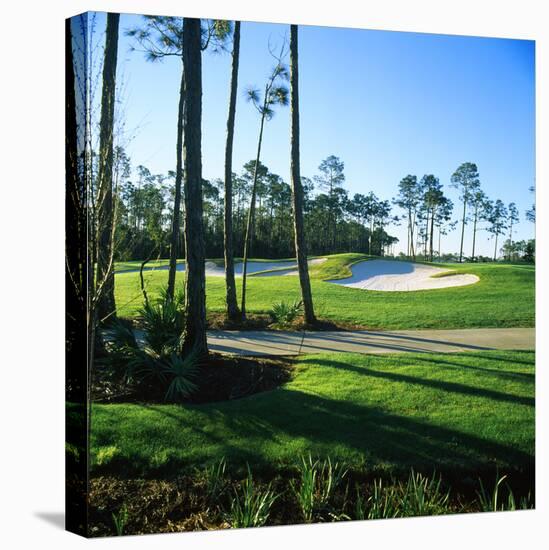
(499, 373)
(250, 431)
(381, 437)
(436, 384)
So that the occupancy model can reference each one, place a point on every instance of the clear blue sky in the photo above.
(387, 103)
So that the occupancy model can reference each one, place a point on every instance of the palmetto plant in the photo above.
(163, 320)
(284, 313)
(160, 360)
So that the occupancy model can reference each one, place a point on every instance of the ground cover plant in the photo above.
(137, 506)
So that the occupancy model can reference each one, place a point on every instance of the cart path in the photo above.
(366, 341)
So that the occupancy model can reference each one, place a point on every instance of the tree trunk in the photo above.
(297, 190)
(176, 219)
(462, 231)
(496, 248)
(409, 234)
(250, 219)
(194, 336)
(510, 241)
(105, 210)
(474, 235)
(432, 235)
(232, 307)
(412, 247)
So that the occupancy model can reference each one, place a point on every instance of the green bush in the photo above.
(284, 313)
(163, 321)
(159, 359)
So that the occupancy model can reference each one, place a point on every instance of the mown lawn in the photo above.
(504, 297)
(461, 412)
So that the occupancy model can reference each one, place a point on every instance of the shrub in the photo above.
(163, 321)
(284, 313)
(159, 361)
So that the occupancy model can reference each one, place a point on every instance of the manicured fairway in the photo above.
(453, 412)
(504, 297)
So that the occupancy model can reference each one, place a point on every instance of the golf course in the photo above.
(274, 334)
(502, 297)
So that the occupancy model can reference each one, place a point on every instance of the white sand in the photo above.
(280, 268)
(394, 276)
(292, 271)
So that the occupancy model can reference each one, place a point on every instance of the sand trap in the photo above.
(292, 271)
(395, 276)
(215, 270)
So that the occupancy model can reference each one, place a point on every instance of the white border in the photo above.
(32, 220)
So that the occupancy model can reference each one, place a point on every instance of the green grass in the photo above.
(504, 297)
(121, 267)
(450, 412)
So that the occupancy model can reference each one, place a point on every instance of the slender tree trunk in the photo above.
(432, 235)
(176, 219)
(232, 306)
(412, 248)
(439, 239)
(510, 240)
(462, 231)
(249, 223)
(474, 235)
(426, 239)
(297, 190)
(409, 234)
(105, 271)
(496, 248)
(194, 336)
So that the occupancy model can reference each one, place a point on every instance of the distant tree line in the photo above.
(334, 221)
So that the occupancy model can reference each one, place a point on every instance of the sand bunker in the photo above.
(395, 276)
(215, 270)
(277, 269)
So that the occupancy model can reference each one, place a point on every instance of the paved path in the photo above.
(365, 341)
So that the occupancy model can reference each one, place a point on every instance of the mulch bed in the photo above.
(221, 378)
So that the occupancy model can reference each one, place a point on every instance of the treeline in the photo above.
(429, 212)
(334, 221)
